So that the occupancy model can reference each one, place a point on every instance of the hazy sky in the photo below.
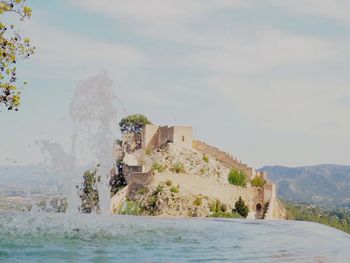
(266, 80)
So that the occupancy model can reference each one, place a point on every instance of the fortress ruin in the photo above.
(262, 201)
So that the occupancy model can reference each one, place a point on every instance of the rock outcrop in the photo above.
(172, 179)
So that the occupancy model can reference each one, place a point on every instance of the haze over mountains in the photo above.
(25, 179)
(324, 185)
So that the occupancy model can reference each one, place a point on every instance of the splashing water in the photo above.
(64, 164)
(50, 237)
(93, 113)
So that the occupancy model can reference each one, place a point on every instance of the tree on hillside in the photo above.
(88, 192)
(258, 181)
(13, 47)
(241, 208)
(133, 123)
(117, 180)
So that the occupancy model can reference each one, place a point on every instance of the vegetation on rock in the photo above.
(198, 201)
(258, 181)
(117, 182)
(13, 47)
(158, 167)
(133, 123)
(241, 208)
(238, 178)
(88, 192)
(178, 168)
(219, 209)
(131, 208)
(225, 215)
(142, 191)
(169, 182)
(205, 159)
(174, 189)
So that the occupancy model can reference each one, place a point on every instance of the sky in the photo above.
(266, 80)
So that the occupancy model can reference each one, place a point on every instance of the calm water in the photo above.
(45, 237)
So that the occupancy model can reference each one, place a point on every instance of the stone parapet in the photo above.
(222, 157)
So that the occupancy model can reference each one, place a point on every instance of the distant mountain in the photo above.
(324, 185)
(27, 178)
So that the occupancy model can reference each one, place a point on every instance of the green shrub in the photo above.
(218, 207)
(169, 182)
(224, 208)
(178, 168)
(236, 177)
(258, 181)
(198, 201)
(159, 189)
(88, 192)
(266, 206)
(142, 191)
(131, 208)
(152, 200)
(174, 189)
(133, 123)
(215, 207)
(241, 208)
(225, 215)
(158, 167)
(205, 159)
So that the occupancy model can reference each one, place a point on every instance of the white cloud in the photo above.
(235, 59)
(280, 103)
(230, 48)
(63, 54)
(300, 105)
(156, 11)
(266, 50)
(335, 9)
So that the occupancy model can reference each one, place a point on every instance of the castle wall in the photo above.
(154, 136)
(129, 170)
(269, 192)
(164, 135)
(223, 157)
(182, 136)
(150, 136)
(138, 181)
(226, 193)
(261, 174)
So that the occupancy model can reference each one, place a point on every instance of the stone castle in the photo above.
(262, 201)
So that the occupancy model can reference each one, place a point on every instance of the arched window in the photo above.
(258, 208)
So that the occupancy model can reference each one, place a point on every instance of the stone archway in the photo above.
(258, 211)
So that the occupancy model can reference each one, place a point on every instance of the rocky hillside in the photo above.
(178, 186)
(173, 158)
(324, 185)
(186, 182)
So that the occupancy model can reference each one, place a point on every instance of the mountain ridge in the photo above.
(323, 184)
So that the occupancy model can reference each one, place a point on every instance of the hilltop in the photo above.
(166, 172)
(323, 185)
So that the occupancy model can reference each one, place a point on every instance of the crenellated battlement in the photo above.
(223, 157)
